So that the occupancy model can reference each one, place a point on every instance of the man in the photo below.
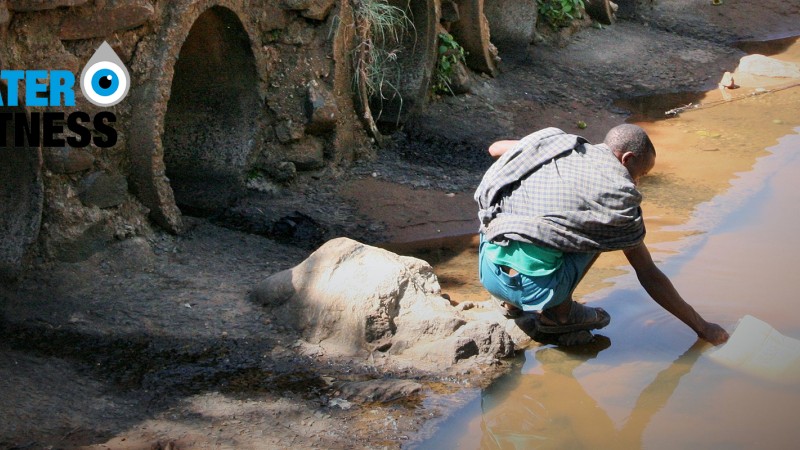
(548, 206)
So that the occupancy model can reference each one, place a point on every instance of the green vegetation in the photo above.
(560, 13)
(450, 54)
(380, 28)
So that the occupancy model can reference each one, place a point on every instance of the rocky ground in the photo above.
(154, 343)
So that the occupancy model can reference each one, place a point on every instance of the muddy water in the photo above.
(722, 211)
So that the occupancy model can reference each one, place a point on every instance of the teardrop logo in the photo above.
(105, 80)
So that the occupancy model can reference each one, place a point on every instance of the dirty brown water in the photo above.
(721, 208)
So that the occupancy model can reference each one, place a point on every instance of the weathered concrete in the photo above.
(176, 127)
(472, 32)
(511, 21)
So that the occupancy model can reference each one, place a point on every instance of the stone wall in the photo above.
(219, 89)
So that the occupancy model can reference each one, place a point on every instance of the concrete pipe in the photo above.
(512, 22)
(408, 77)
(196, 121)
(603, 11)
(472, 32)
(21, 196)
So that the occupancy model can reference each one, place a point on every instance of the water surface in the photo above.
(722, 208)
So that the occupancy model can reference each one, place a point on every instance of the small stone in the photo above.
(66, 160)
(103, 190)
(321, 109)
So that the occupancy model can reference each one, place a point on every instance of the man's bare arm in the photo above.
(498, 148)
(661, 289)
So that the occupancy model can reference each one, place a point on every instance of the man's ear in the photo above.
(627, 158)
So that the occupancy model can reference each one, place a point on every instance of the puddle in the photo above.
(720, 207)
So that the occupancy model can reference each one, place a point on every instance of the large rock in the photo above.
(352, 299)
(768, 67)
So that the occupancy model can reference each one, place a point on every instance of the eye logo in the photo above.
(105, 80)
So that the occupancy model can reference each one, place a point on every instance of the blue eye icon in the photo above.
(105, 80)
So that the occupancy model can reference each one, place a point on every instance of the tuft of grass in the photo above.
(380, 28)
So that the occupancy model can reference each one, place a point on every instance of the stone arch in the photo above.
(197, 118)
(21, 196)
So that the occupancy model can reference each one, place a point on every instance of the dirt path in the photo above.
(153, 342)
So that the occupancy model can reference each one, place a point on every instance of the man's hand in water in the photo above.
(714, 334)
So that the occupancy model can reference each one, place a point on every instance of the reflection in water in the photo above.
(553, 410)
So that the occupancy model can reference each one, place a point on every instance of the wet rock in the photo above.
(66, 160)
(490, 338)
(382, 391)
(115, 16)
(308, 154)
(298, 229)
(353, 299)
(103, 190)
(321, 109)
(38, 5)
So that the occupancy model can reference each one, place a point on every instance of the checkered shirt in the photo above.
(557, 190)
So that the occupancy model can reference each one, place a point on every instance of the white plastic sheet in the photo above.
(760, 350)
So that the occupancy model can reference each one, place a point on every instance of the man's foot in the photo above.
(574, 317)
(508, 310)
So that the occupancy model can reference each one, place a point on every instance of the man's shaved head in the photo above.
(629, 138)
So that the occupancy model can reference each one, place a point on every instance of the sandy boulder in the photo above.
(353, 299)
(768, 67)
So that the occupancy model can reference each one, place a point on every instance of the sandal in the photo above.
(580, 317)
(508, 310)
